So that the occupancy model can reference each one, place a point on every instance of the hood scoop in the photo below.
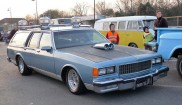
(104, 46)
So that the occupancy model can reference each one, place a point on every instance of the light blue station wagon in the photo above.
(84, 59)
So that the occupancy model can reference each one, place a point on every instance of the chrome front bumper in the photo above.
(123, 84)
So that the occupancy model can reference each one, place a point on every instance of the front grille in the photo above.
(134, 67)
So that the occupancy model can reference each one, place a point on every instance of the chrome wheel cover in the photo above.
(133, 45)
(21, 65)
(180, 67)
(73, 80)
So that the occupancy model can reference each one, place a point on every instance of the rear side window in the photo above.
(45, 40)
(121, 25)
(33, 43)
(19, 39)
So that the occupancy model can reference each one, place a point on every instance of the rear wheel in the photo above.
(133, 45)
(23, 69)
(74, 82)
(179, 65)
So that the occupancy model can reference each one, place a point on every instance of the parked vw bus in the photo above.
(130, 28)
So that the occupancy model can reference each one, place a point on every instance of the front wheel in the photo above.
(133, 45)
(179, 65)
(74, 82)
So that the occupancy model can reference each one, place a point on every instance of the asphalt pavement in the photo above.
(38, 89)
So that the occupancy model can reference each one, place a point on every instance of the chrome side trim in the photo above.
(52, 75)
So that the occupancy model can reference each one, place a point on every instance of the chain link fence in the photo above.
(174, 21)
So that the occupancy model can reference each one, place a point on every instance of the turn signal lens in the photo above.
(95, 72)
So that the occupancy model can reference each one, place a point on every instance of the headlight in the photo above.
(157, 60)
(107, 70)
(153, 61)
(103, 71)
(110, 70)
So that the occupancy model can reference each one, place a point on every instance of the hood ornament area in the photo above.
(104, 46)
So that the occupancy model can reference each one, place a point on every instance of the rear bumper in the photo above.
(8, 59)
(11, 60)
(123, 84)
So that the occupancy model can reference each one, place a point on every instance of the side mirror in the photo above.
(46, 48)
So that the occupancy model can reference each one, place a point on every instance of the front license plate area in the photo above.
(143, 81)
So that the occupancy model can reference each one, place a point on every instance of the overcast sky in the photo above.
(20, 8)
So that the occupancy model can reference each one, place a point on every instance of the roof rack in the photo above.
(67, 26)
(31, 28)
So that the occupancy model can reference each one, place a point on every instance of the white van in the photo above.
(61, 21)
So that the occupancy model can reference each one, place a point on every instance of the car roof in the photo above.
(125, 18)
(72, 29)
(68, 29)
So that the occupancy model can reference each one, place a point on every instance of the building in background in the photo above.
(8, 24)
(89, 20)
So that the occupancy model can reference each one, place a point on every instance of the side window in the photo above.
(19, 39)
(121, 25)
(106, 26)
(33, 43)
(115, 23)
(45, 40)
(133, 25)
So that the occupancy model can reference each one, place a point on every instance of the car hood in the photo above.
(99, 55)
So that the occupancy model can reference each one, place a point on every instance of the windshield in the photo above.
(149, 23)
(78, 38)
(64, 21)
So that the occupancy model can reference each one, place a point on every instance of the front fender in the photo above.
(84, 72)
(169, 43)
(71, 66)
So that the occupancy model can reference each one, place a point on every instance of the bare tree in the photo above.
(127, 5)
(100, 7)
(29, 17)
(122, 5)
(80, 9)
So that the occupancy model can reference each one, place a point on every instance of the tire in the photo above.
(133, 45)
(179, 65)
(23, 69)
(74, 82)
